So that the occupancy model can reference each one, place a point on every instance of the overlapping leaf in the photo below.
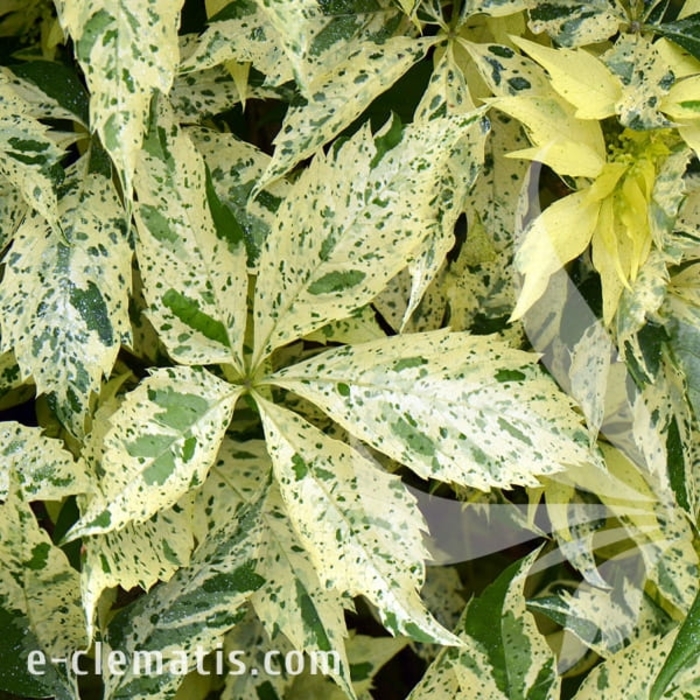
(162, 441)
(127, 52)
(505, 656)
(349, 224)
(190, 613)
(359, 525)
(64, 297)
(451, 406)
(190, 249)
(29, 158)
(40, 604)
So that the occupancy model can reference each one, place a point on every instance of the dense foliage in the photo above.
(287, 283)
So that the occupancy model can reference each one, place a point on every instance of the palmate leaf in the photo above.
(349, 224)
(360, 526)
(505, 657)
(127, 51)
(451, 406)
(162, 441)
(190, 250)
(29, 159)
(64, 297)
(40, 607)
(192, 612)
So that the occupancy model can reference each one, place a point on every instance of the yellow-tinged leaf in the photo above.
(450, 406)
(690, 133)
(127, 51)
(683, 99)
(162, 441)
(359, 525)
(568, 145)
(579, 77)
(558, 235)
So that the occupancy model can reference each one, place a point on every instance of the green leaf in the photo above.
(190, 249)
(353, 218)
(505, 657)
(683, 654)
(162, 441)
(684, 32)
(494, 8)
(451, 406)
(127, 52)
(67, 295)
(338, 97)
(39, 603)
(359, 525)
(190, 613)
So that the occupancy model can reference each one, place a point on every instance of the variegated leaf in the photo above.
(235, 167)
(190, 249)
(505, 657)
(40, 603)
(575, 23)
(29, 158)
(494, 8)
(338, 97)
(292, 599)
(127, 51)
(162, 441)
(360, 526)
(189, 614)
(12, 210)
(451, 406)
(632, 671)
(349, 224)
(44, 469)
(66, 294)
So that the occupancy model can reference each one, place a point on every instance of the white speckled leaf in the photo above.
(573, 22)
(235, 167)
(506, 656)
(292, 599)
(64, 297)
(39, 598)
(631, 673)
(451, 406)
(349, 224)
(127, 51)
(360, 526)
(190, 249)
(338, 97)
(29, 159)
(495, 8)
(163, 439)
(193, 610)
(45, 470)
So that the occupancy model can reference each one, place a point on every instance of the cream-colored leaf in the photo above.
(128, 52)
(450, 406)
(351, 222)
(190, 249)
(64, 296)
(338, 97)
(359, 525)
(162, 441)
